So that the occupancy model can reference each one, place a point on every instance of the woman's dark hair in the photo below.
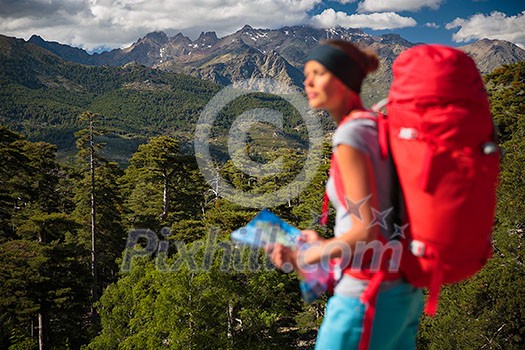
(366, 58)
(346, 61)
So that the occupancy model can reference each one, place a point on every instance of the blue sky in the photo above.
(434, 20)
(106, 24)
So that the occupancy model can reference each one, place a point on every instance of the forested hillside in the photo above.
(182, 284)
(41, 96)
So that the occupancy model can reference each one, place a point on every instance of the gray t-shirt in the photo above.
(361, 134)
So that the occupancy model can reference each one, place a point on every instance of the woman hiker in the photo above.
(364, 312)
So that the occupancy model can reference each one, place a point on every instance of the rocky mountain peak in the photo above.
(148, 50)
(490, 54)
(206, 39)
(394, 39)
(180, 36)
(350, 34)
(180, 41)
(36, 39)
(246, 28)
(64, 51)
(249, 35)
(156, 37)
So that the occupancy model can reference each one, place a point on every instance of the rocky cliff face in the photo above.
(491, 54)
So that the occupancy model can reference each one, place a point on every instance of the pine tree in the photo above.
(148, 182)
(42, 273)
(98, 207)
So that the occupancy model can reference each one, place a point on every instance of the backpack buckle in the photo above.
(408, 134)
(417, 248)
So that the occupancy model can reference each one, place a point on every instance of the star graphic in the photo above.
(317, 219)
(380, 218)
(292, 239)
(399, 231)
(355, 208)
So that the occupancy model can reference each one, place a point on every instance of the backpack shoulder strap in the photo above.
(382, 126)
(377, 115)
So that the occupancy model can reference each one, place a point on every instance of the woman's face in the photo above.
(323, 89)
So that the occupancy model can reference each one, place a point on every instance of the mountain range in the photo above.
(160, 84)
(267, 53)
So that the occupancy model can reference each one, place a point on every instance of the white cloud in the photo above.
(497, 25)
(378, 21)
(17, 8)
(432, 25)
(397, 5)
(93, 23)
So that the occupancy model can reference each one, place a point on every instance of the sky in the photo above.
(97, 25)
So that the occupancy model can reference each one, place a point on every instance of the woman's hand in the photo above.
(309, 241)
(287, 259)
(283, 257)
(309, 236)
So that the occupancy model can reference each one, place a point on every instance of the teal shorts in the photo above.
(395, 324)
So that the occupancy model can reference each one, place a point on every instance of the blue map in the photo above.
(266, 228)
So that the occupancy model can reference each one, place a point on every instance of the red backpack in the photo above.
(440, 134)
(443, 144)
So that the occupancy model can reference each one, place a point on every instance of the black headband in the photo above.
(340, 64)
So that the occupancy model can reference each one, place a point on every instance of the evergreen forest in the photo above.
(105, 249)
